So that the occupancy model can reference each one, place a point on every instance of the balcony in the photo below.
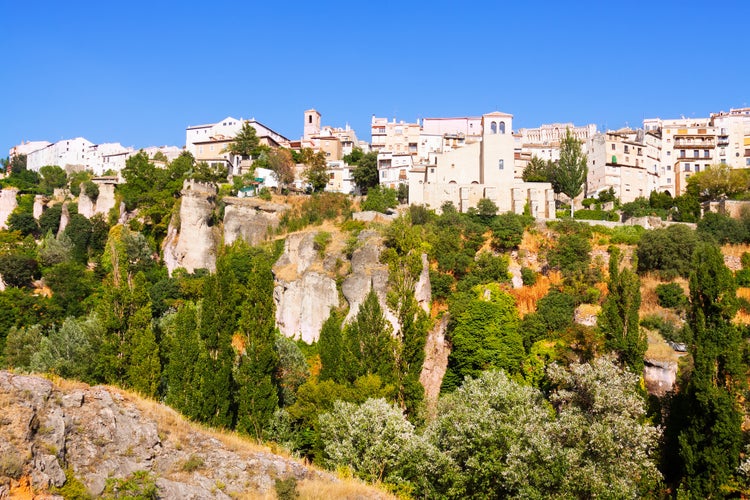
(694, 144)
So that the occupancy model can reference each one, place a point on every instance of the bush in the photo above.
(670, 295)
(192, 464)
(507, 230)
(627, 235)
(745, 260)
(286, 489)
(380, 199)
(528, 276)
(585, 214)
(441, 284)
(91, 190)
(668, 251)
(264, 194)
(571, 254)
(743, 277)
(25, 223)
(321, 241)
(666, 328)
(722, 228)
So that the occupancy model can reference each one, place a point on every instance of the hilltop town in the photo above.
(459, 159)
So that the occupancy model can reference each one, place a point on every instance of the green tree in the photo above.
(65, 351)
(52, 177)
(380, 199)
(668, 251)
(331, 348)
(570, 174)
(183, 349)
(538, 170)
(19, 270)
(619, 316)
(245, 143)
(71, 284)
(368, 343)
(365, 173)
(20, 346)
(315, 169)
(24, 223)
(706, 417)
(485, 336)
(49, 221)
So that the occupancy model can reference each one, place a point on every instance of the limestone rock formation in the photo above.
(659, 376)
(40, 203)
(305, 292)
(250, 219)
(191, 244)
(8, 203)
(100, 433)
(367, 273)
(103, 203)
(64, 219)
(435, 362)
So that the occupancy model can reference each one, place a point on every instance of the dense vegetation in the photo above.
(532, 405)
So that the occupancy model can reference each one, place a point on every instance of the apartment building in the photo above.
(394, 137)
(733, 137)
(620, 160)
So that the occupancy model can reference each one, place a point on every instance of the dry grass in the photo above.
(534, 242)
(735, 250)
(649, 301)
(658, 349)
(527, 296)
(316, 489)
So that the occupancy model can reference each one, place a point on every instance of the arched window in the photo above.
(502, 127)
(493, 128)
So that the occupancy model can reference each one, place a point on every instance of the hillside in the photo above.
(104, 438)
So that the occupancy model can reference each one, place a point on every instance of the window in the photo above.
(696, 154)
(613, 147)
(669, 153)
(706, 153)
(697, 167)
(493, 128)
(501, 164)
(309, 119)
(627, 149)
(687, 167)
(682, 153)
(669, 168)
(669, 180)
(502, 127)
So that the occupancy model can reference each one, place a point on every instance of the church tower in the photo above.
(496, 163)
(312, 124)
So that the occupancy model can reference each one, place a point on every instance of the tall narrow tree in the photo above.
(570, 174)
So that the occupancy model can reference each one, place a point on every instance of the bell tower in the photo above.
(496, 164)
(312, 124)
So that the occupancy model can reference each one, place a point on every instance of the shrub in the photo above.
(745, 260)
(571, 254)
(585, 214)
(743, 277)
(11, 466)
(192, 464)
(264, 194)
(666, 328)
(628, 235)
(286, 489)
(380, 199)
(528, 276)
(441, 284)
(668, 251)
(507, 230)
(91, 190)
(321, 241)
(722, 228)
(670, 295)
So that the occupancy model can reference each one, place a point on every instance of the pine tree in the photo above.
(706, 418)
(619, 317)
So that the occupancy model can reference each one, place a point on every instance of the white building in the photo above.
(70, 154)
(227, 128)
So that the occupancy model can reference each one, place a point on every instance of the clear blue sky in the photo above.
(139, 72)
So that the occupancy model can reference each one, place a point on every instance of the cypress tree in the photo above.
(258, 396)
(184, 349)
(330, 347)
(707, 416)
(619, 317)
(369, 344)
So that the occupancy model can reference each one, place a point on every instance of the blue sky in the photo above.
(140, 72)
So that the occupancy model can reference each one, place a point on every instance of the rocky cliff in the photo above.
(251, 219)
(190, 241)
(8, 203)
(102, 204)
(98, 433)
(306, 282)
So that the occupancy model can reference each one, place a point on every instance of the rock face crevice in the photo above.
(192, 244)
(100, 433)
(250, 219)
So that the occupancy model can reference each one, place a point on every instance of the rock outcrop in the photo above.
(100, 433)
(8, 203)
(304, 293)
(435, 362)
(103, 203)
(40, 203)
(190, 242)
(659, 376)
(64, 219)
(251, 219)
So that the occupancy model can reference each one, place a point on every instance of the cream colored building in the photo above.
(733, 137)
(619, 160)
(393, 168)
(340, 179)
(481, 169)
(394, 137)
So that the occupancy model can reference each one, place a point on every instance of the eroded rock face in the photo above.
(64, 219)
(103, 203)
(304, 294)
(40, 203)
(250, 219)
(435, 362)
(100, 433)
(659, 376)
(193, 246)
(8, 203)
